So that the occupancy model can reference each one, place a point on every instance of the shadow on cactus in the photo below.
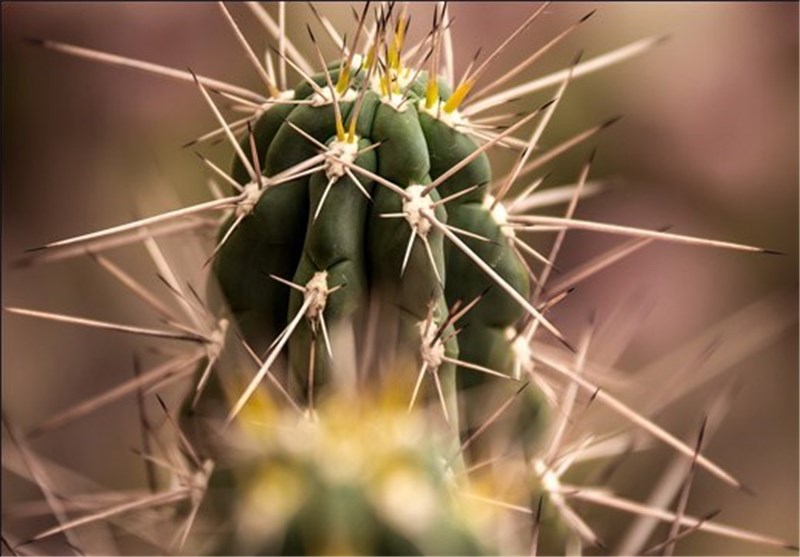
(374, 370)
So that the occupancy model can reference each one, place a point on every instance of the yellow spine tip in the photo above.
(458, 96)
(344, 80)
(385, 86)
(431, 93)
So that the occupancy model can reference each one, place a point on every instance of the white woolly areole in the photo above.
(408, 498)
(217, 338)
(343, 150)
(413, 207)
(432, 352)
(395, 100)
(358, 61)
(523, 355)
(499, 215)
(550, 481)
(252, 193)
(452, 119)
(317, 291)
(198, 481)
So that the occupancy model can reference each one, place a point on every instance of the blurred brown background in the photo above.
(708, 143)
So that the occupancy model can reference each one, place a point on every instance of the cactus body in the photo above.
(358, 249)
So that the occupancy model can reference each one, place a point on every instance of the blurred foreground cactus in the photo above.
(366, 370)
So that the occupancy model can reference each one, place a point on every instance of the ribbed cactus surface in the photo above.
(344, 238)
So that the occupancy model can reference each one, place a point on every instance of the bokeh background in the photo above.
(708, 144)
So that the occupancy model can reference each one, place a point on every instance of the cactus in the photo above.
(369, 345)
